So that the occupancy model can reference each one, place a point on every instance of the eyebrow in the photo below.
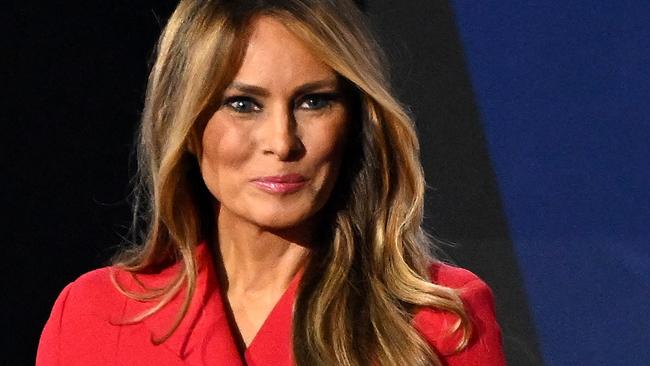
(302, 89)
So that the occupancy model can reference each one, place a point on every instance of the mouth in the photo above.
(280, 184)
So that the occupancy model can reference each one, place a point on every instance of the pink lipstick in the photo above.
(280, 184)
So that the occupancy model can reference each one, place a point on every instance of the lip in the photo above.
(280, 184)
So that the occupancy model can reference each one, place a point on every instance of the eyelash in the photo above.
(230, 103)
(327, 98)
(254, 106)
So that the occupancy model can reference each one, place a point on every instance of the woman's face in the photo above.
(271, 152)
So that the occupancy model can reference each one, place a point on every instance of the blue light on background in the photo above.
(563, 90)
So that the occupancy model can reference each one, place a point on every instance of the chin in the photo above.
(281, 221)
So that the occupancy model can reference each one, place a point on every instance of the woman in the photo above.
(285, 201)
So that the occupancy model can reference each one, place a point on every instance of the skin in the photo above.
(284, 113)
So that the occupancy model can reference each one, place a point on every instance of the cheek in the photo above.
(225, 150)
(327, 145)
(328, 142)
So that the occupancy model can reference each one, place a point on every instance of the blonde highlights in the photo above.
(363, 285)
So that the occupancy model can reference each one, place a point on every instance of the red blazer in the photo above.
(84, 328)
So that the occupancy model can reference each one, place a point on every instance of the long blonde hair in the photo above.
(361, 289)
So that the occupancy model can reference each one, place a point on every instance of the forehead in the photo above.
(275, 56)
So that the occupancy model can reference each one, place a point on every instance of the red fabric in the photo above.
(84, 327)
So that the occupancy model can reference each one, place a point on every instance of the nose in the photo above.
(280, 135)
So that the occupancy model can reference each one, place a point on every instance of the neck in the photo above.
(256, 260)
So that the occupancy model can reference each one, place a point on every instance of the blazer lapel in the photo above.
(203, 336)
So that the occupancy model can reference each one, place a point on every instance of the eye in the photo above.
(241, 104)
(317, 101)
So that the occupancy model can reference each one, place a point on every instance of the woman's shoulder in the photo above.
(97, 292)
(85, 304)
(91, 294)
(485, 345)
(97, 280)
(91, 308)
(451, 276)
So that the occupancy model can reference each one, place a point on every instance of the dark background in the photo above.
(534, 126)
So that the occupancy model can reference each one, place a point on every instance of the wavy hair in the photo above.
(361, 288)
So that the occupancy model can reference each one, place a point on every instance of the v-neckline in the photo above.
(275, 331)
(284, 304)
(205, 335)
